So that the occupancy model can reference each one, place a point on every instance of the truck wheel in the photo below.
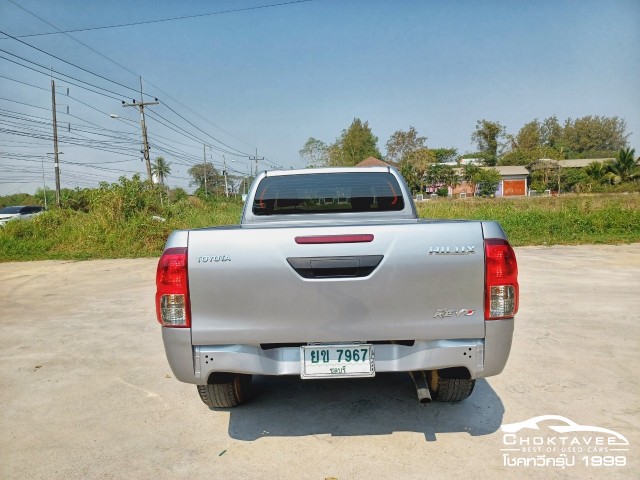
(449, 385)
(225, 390)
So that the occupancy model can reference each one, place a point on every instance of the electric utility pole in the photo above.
(256, 158)
(44, 185)
(145, 142)
(55, 142)
(224, 172)
(204, 151)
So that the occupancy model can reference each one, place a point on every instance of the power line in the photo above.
(179, 129)
(49, 72)
(146, 22)
(130, 71)
(240, 153)
(73, 38)
(36, 132)
(114, 134)
(198, 115)
(67, 62)
(19, 81)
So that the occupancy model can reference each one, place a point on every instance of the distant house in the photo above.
(514, 181)
(372, 162)
(571, 163)
(582, 162)
(471, 161)
(464, 188)
(464, 161)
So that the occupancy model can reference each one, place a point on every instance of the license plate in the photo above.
(336, 361)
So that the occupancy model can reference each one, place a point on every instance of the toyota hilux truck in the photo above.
(331, 274)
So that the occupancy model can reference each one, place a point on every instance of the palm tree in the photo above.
(470, 174)
(597, 171)
(161, 169)
(625, 167)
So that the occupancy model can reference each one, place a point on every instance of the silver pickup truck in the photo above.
(330, 274)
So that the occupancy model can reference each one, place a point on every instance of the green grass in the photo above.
(116, 232)
(566, 220)
(69, 234)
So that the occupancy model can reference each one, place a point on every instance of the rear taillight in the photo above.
(501, 280)
(172, 289)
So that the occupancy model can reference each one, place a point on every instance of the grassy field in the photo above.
(566, 220)
(118, 232)
(103, 233)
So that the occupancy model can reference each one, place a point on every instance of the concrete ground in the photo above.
(86, 392)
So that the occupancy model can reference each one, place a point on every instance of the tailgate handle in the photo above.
(334, 263)
(335, 267)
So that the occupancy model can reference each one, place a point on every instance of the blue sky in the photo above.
(270, 78)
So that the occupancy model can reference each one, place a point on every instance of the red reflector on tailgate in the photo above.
(320, 239)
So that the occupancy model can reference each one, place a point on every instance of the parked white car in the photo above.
(19, 213)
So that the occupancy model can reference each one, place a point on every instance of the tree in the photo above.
(533, 141)
(471, 175)
(544, 173)
(487, 181)
(624, 167)
(575, 180)
(443, 155)
(594, 136)
(482, 180)
(161, 169)
(597, 171)
(529, 137)
(526, 156)
(586, 137)
(439, 174)
(487, 136)
(551, 133)
(451, 177)
(414, 168)
(401, 144)
(354, 145)
(214, 181)
(315, 153)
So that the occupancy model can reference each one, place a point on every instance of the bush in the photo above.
(569, 219)
(118, 222)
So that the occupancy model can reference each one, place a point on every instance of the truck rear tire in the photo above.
(449, 385)
(225, 390)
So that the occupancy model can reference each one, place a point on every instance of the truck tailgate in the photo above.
(244, 289)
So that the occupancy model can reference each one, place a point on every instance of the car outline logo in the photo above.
(571, 426)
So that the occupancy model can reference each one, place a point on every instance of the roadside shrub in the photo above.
(568, 219)
(125, 227)
(126, 199)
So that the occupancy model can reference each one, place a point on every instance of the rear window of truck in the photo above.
(328, 193)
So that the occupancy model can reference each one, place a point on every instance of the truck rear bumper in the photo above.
(482, 357)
